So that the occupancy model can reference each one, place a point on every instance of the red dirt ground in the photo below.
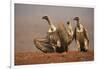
(41, 58)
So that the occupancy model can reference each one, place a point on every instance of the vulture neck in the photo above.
(49, 22)
(52, 28)
(78, 24)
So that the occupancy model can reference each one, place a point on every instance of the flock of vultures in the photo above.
(59, 37)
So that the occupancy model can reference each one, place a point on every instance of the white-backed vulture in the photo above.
(51, 41)
(66, 36)
(81, 36)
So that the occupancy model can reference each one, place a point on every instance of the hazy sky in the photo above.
(29, 25)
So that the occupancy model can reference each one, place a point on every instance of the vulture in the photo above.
(81, 36)
(51, 41)
(66, 36)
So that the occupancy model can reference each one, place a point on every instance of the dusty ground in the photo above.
(41, 58)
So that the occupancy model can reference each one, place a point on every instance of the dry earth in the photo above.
(41, 58)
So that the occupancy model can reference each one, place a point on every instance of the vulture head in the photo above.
(77, 21)
(76, 18)
(46, 18)
(52, 28)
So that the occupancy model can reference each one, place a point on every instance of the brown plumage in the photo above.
(66, 35)
(57, 39)
(81, 36)
(51, 41)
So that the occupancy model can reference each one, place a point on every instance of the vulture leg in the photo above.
(83, 46)
(86, 44)
(78, 45)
